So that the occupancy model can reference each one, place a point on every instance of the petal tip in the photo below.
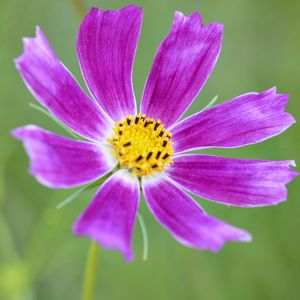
(294, 174)
(27, 44)
(270, 91)
(245, 237)
(178, 15)
(38, 31)
(76, 228)
(16, 133)
(217, 26)
(125, 8)
(181, 17)
(133, 6)
(21, 132)
(128, 256)
(238, 235)
(79, 231)
(292, 120)
(18, 60)
(102, 242)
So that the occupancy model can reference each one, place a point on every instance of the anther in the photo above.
(127, 144)
(149, 155)
(128, 121)
(156, 125)
(136, 120)
(154, 166)
(140, 157)
(164, 144)
(120, 132)
(158, 154)
(161, 133)
(166, 156)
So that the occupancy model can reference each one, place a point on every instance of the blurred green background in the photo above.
(39, 256)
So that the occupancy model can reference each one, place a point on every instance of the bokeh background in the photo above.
(41, 259)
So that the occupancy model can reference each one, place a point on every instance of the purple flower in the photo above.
(147, 150)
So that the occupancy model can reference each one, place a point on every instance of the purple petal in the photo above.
(106, 47)
(54, 87)
(110, 218)
(59, 162)
(233, 181)
(185, 219)
(247, 119)
(181, 67)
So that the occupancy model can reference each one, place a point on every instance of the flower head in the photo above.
(146, 150)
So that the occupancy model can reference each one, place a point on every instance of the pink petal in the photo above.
(182, 64)
(185, 219)
(233, 181)
(106, 46)
(110, 218)
(247, 119)
(55, 88)
(59, 162)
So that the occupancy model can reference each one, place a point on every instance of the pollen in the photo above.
(142, 144)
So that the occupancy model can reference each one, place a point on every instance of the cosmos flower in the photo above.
(147, 150)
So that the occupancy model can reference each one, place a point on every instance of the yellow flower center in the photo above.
(142, 145)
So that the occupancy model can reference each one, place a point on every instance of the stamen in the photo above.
(149, 155)
(139, 158)
(158, 154)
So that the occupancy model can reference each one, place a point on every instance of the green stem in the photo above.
(90, 272)
(82, 190)
(210, 103)
(145, 237)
